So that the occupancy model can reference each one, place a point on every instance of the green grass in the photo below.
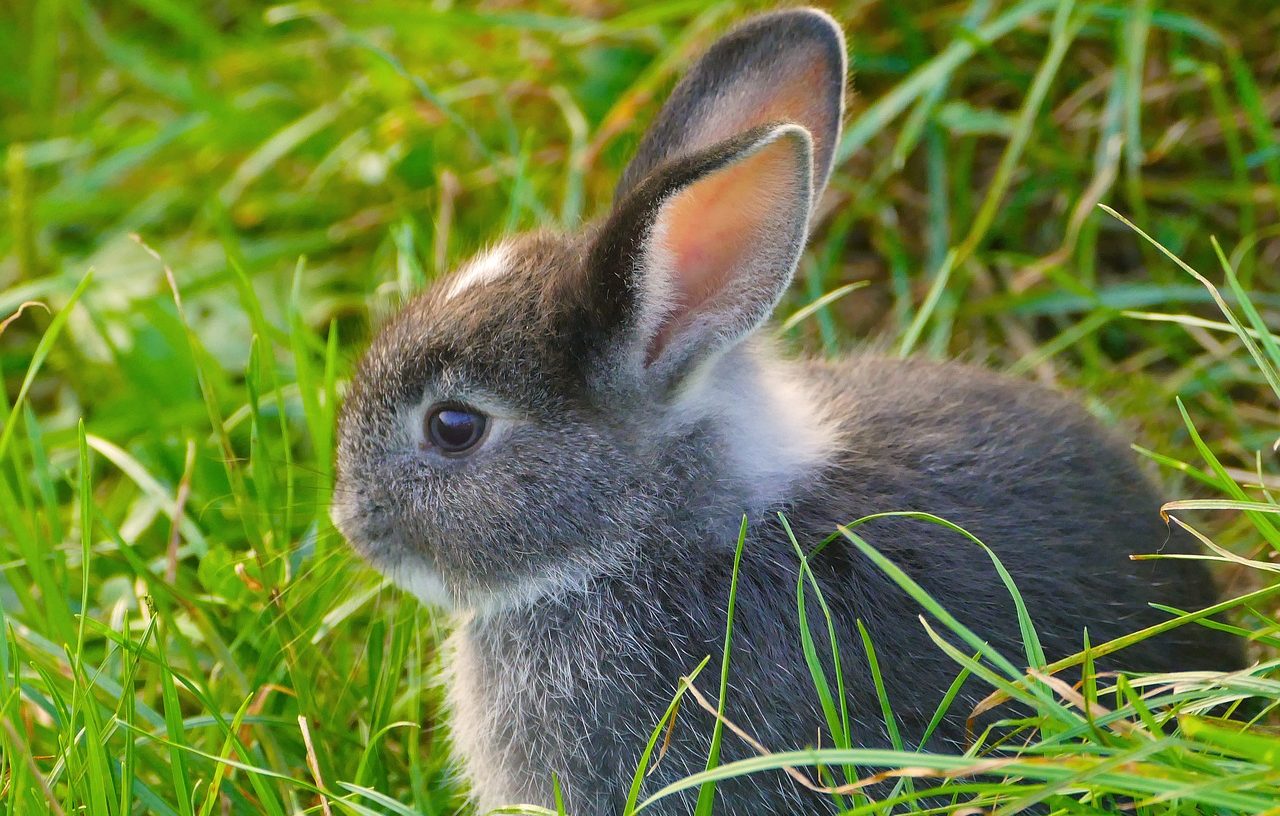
(184, 633)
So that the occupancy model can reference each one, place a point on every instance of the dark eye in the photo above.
(455, 429)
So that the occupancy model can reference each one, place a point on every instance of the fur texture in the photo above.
(586, 545)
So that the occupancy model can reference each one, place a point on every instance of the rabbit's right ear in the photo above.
(788, 66)
(695, 258)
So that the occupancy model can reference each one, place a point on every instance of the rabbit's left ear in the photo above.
(788, 66)
(696, 256)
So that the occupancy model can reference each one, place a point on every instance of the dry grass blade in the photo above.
(978, 768)
(4, 324)
(314, 764)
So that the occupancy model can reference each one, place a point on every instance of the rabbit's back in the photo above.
(1059, 498)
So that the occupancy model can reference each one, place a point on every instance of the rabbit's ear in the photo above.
(788, 66)
(697, 256)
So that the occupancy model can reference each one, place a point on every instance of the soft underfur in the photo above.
(635, 416)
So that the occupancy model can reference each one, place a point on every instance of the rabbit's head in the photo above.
(509, 431)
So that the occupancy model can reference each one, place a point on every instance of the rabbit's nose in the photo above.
(358, 516)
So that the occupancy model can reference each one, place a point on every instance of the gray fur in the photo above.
(586, 547)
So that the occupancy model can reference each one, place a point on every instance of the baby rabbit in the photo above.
(559, 442)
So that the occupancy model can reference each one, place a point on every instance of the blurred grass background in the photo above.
(292, 172)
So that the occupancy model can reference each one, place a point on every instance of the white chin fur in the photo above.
(775, 431)
(425, 584)
(547, 583)
(422, 582)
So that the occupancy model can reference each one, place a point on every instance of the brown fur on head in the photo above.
(612, 367)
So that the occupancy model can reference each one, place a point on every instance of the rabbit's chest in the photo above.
(574, 705)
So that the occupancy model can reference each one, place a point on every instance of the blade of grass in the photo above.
(707, 793)
(642, 766)
(38, 357)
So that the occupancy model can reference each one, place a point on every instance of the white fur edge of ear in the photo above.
(786, 130)
(838, 30)
(830, 20)
(824, 174)
(655, 265)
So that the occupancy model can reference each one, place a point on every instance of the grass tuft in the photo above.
(209, 207)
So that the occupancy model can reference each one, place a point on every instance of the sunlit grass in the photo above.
(216, 202)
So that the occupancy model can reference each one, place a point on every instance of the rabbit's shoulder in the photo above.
(1013, 462)
(956, 413)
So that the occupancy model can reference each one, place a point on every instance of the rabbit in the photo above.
(558, 444)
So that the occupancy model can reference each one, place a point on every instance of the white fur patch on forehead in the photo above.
(485, 267)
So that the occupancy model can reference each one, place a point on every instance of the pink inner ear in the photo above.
(718, 225)
(794, 94)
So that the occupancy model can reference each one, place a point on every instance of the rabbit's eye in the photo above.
(455, 429)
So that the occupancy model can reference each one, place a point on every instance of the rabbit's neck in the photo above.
(771, 429)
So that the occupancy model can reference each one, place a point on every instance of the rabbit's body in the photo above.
(575, 683)
(560, 441)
